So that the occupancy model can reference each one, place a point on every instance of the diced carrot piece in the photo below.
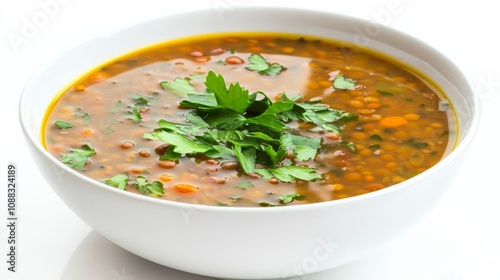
(393, 121)
(87, 132)
(185, 188)
(166, 177)
(374, 186)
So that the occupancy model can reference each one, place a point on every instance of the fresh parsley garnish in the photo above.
(144, 187)
(77, 158)
(140, 102)
(119, 181)
(385, 92)
(283, 200)
(87, 118)
(288, 174)
(288, 198)
(63, 124)
(342, 83)
(178, 86)
(245, 185)
(260, 65)
(230, 123)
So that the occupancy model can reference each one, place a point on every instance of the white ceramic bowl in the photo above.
(250, 243)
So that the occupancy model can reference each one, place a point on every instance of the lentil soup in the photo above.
(250, 119)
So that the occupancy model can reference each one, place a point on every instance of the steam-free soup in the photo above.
(250, 119)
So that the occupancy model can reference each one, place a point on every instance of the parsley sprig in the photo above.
(260, 65)
(340, 82)
(230, 123)
(77, 158)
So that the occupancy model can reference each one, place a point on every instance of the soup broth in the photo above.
(327, 121)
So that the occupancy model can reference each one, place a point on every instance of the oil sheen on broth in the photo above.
(399, 124)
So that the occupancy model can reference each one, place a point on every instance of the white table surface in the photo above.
(458, 240)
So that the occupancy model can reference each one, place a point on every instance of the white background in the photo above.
(459, 240)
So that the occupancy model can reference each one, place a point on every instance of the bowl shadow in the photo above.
(99, 259)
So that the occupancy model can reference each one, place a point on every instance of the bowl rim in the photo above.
(458, 150)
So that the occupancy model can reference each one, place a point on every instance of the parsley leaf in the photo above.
(288, 174)
(77, 158)
(182, 144)
(342, 83)
(385, 92)
(178, 86)
(303, 148)
(246, 157)
(245, 185)
(63, 124)
(235, 98)
(260, 65)
(135, 115)
(155, 188)
(119, 181)
(86, 119)
(288, 198)
(140, 102)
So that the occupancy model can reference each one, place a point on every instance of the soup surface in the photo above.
(250, 120)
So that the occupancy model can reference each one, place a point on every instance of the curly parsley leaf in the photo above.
(77, 158)
(342, 83)
(260, 65)
(119, 181)
(155, 188)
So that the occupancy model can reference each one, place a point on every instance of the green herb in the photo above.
(304, 148)
(108, 130)
(287, 174)
(86, 119)
(245, 185)
(219, 203)
(385, 92)
(155, 188)
(267, 204)
(349, 145)
(260, 65)
(375, 137)
(63, 124)
(417, 144)
(135, 115)
(235, 98)
(117, 107)
(229, 123)
(288, 198)
(342, 83)
(119, 181)
(374, 147)
(77, 158)
(140, 102)
(179, 86)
